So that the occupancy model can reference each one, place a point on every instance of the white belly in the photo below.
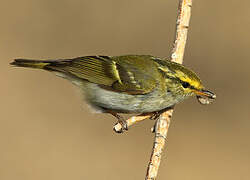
(122, 102)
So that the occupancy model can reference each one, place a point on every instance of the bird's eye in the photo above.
(185, 84)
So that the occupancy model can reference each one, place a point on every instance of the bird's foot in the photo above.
(155, 115)
(121, 126)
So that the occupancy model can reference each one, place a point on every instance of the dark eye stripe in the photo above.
(192, 87)
(185, 84)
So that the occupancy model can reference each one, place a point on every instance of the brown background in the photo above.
(46, 132)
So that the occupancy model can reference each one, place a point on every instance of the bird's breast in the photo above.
(127, 103)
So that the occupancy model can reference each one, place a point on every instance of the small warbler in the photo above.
(127, 84)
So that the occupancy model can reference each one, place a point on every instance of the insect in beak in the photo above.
(205, 96)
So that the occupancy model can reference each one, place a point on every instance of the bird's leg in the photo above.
(121, 121)
(131, 121)
(155, 115)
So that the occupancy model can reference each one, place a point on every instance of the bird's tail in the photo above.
(38, 64)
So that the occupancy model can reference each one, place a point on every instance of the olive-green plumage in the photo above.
(127, 84)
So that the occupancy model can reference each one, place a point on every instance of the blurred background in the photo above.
(47, 132)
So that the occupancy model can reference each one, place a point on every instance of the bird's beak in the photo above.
(205, 96)
(205, 93)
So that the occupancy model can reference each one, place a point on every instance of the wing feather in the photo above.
(131, 74)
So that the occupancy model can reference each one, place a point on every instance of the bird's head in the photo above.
(187, 82)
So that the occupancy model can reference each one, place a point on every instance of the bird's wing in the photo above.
(138, 74)
(130, 74)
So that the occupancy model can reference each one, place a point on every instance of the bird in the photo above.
(128, 83)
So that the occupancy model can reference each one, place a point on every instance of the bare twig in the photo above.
(131, 121)
(163, 122)
(161, 130)
(182, 24)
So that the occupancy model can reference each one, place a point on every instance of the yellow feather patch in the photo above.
(167, 71)
(183, 77)
(116, 72)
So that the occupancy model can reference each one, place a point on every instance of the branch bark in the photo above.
(131, 121)
(163, 122)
